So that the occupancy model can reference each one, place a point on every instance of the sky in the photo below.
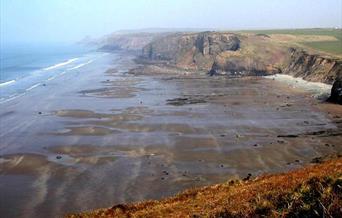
(72, 20)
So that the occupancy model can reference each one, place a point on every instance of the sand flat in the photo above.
(112, 137)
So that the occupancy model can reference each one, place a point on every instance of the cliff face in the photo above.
(228, 53)
(313, 67)
(192, 50)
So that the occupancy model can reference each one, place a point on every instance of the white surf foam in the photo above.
(34, 86)
(60, 64)
(81, 65)
(318, 89)
(7, 83)
(12, 97)
(52, 78)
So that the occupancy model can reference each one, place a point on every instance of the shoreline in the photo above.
(134, 137)
(319, 90)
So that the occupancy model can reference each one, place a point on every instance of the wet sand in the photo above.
(104, 136)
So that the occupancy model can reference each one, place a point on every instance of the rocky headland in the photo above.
(233, 54)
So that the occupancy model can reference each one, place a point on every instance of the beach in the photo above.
(102, 135)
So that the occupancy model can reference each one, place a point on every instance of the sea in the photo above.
(24, 67)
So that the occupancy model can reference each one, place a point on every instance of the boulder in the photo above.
(336, 92)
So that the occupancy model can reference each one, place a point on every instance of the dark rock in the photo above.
(185, 101)
(287, 136)
(119, 206)
(249, 175)
(58, 157)
(336, 92)
(212, 72)
(317, 160)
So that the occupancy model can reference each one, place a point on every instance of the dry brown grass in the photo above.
(315, 190)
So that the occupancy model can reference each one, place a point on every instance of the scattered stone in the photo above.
(58, 157)
(249, 175)
(40, 112)
(297, 161)
(221, 166)
(185, 101)
(121, 207)
(256, 145)
(222, 135)
(287, 136)
(317, 160)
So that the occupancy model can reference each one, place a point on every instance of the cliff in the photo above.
(191, 50)
(313, 67)
(241, 54)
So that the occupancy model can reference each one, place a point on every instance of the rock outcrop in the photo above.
(312, 67)
(191, 50)
(336, 92)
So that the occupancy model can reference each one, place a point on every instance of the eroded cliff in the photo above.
(241, 54)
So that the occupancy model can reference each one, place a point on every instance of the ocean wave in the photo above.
(34, 86)
(60, 64)
(81, 65)
(7, 83)
(52, 78)
(10, 98)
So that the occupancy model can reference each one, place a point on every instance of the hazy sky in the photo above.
(71, 20)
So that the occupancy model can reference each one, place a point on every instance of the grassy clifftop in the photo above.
(323, 40)
(313, 191)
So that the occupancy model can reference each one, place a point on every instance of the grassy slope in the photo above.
(332, 47)
(307, 192)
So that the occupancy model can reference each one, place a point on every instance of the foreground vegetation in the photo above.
(313, 191)
(329, 45)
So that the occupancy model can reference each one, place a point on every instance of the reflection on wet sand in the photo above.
(159, 135)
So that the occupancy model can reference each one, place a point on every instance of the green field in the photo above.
(333, 47)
